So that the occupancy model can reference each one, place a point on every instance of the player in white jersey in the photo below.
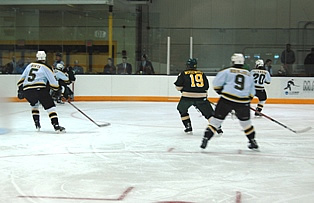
(35, 82)
(261, 76)
(63, 81)
(236, 87)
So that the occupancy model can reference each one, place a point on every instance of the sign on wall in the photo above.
(297, 87)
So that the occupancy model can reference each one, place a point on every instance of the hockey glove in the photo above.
(55, 94)
(20, 92)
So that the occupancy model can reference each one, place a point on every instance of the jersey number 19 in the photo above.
(197, 80)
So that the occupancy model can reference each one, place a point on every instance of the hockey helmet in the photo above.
(60, 66)
(259, 63)
(237, 58)
(41, 55)
(192, 63)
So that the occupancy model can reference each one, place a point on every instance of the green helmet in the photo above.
(192, 63)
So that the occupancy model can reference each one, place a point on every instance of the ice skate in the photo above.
(257, 112)
(188, 129)
(208, 134)
(59, 128)
(253, 144)
(257, 115)
(59, 101)
(204, 143)
(37, 125)
(219, 132)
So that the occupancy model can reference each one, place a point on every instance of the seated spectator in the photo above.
(10, 67)
(109, 67)
(146, 67)
(19, 68)
(77, 69)
(124, 67)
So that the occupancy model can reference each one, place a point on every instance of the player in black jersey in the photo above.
(193, 85)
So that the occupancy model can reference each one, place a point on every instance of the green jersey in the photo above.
(192, 83)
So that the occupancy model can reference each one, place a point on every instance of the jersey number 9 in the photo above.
(239, 82)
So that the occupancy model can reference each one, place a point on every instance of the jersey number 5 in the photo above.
(197, 80)
(32, 75)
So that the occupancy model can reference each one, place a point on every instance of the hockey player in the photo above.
(193, 85)
(236, 87)
(261, 76)
(34, 83)
(63, 81)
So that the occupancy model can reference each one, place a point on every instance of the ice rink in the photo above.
(145, 157)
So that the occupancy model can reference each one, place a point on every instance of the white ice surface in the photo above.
(144, 156)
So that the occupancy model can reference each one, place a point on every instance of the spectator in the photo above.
(146, 67)
(77, 69)
(268, 67)
(124, 67)
(58, 60)
(11, 66)
(287, 59)
(28, 61)
(110, 68)
(309, 63)
(20, 67)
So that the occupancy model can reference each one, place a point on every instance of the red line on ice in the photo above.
(238, 197)
(121, 197)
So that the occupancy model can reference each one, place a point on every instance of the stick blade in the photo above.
(304, 130)
(103, 125)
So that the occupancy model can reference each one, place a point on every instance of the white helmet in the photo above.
(237, 58)
(60, 66)
(259, 63)
(41, 56)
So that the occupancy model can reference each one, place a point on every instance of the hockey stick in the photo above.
(99, 125)
(295, 131)
(260, 113)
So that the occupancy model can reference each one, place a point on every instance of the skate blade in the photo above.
(60, 132)
(255, 150)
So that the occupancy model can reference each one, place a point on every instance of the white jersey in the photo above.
(260, 78)
(235, 84)
(36, 75)
(59, 75)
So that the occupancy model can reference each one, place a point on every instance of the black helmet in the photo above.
(192, 63)
(59, 54)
